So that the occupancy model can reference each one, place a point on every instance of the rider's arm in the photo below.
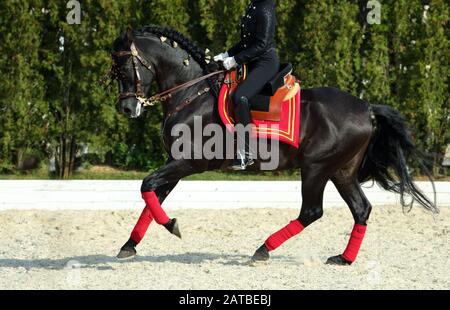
(236, 49)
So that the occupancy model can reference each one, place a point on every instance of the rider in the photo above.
(256, 49)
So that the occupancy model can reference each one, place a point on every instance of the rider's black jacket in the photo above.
(257, 32)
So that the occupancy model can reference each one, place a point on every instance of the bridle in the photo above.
(136, 58)
(163, 96)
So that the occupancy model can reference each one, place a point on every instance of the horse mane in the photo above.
(188, 45)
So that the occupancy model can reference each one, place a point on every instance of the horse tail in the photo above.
(390, 149)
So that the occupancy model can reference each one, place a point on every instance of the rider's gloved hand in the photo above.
(229, 63)
(221, 57)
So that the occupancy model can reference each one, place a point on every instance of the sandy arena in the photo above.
(76, 250)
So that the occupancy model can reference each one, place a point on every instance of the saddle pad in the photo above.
(287, 130)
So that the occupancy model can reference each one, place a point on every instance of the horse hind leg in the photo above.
(349, 188)
(313, 185)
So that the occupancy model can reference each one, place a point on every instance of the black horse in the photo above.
(343, 138)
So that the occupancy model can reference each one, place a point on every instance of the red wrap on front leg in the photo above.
(152, 202)
(354, 243)
(142, 225)
(287, 232)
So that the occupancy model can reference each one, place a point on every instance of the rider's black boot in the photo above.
(244, 156)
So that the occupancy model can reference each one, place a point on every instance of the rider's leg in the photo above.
(260, 72)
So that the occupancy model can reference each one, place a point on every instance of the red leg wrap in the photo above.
(151, 200)
(278, 238)
(142, 225)
(354, 243)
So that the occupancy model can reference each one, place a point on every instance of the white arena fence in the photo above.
(117, 195)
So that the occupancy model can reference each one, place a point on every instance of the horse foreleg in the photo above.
(147, 215)
(313, 185)
(128, 250)
(155, 189)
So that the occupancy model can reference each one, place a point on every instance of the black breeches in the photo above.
(260, 72)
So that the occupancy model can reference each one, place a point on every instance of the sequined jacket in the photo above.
(257, 32)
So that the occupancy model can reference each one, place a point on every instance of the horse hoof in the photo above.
(173, 227)
(261, 254)
(128, 250)
(338, 260)
(256, 263)
(126, 254)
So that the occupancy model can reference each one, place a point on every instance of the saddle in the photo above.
(267, 105)
(275, 111)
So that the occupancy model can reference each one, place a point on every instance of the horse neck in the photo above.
(171, 69)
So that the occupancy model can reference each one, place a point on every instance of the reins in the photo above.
(167, 94)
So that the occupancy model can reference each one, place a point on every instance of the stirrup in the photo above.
(242, 161)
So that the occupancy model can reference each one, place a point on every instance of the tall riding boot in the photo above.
(244, 156)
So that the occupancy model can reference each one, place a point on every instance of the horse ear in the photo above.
(129, 36)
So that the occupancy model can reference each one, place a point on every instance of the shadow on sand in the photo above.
(104, 262)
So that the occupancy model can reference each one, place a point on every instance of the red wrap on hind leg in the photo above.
(354, 244)
(287, 232)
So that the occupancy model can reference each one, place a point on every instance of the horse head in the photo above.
(159, 54)
(134, 72)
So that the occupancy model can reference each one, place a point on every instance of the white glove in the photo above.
(221, 57)
(229, 63)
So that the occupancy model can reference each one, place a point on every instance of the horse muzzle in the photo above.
(131, 107)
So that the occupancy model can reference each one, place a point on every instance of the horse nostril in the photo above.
(126, 111)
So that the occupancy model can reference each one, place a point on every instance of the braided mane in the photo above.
(188, 45)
